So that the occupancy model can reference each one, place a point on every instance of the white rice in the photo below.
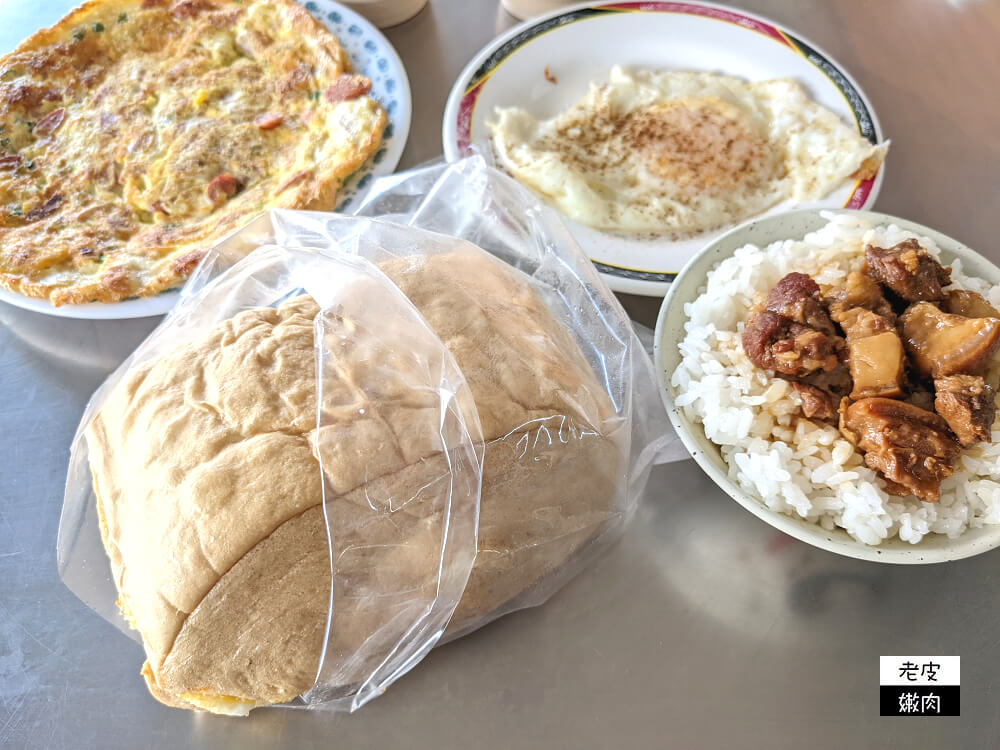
(792, 465)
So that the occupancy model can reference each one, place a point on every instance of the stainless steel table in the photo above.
(703, 628)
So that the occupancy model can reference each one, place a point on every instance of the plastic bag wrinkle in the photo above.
(559, 460)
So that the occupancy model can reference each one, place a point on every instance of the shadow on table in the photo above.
(67, 344)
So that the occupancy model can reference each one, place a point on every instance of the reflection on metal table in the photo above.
(703, 627)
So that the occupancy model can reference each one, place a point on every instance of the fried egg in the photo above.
(681, 153)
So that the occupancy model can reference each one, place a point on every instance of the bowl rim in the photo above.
(837, 540)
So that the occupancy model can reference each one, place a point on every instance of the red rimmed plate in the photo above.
(581, 43)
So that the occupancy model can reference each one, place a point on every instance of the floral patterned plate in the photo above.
(372, 56)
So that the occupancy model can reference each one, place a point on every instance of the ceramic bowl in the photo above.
(690, 283)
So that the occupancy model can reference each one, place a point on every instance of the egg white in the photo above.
(592, 167)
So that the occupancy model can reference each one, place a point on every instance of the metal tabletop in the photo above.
(702, 628)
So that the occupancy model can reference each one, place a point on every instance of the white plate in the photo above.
(372, 56)
(143, 307)
(580, 44)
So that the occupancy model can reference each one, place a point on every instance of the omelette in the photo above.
(137, 133)
(681, 152)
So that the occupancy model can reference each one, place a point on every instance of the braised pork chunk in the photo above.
(968, 304)
(943, 344)
(910, 387)
(859, 291)
(966, 403)
(908, 270)
(912, 448)
(797, 298)
(773, 342)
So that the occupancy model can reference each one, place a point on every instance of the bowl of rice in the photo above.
(744, 426)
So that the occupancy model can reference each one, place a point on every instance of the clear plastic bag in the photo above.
(382, 624)
(471, 200)
(513, 399)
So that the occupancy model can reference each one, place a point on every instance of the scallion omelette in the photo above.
(137, 133)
